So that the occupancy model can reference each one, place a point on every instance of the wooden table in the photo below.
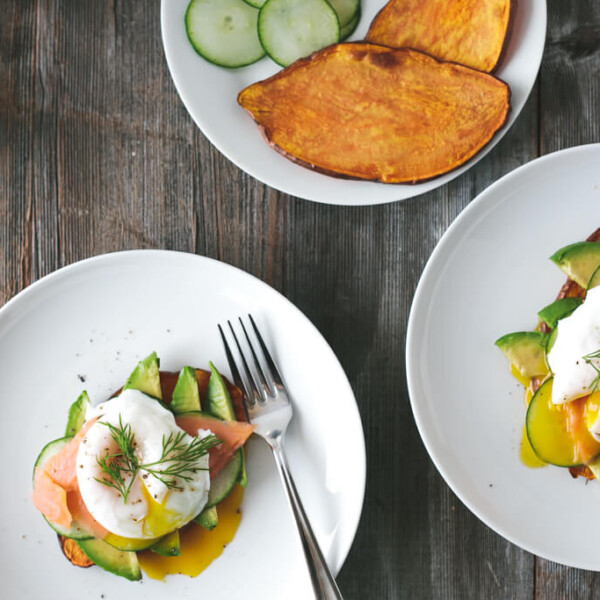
(98, 154)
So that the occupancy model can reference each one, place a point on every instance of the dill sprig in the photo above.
(596, 381)
(178, 460)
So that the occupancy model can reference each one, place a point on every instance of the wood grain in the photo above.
(97, 154)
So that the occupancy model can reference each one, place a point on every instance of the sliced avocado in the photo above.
(594, 467)
(129, 544)
(77, 414)
(559, 309)
(168, 545)
(208, 518)
(124, 564)
(526, 350)
(578, 261)
(186, 396)
(551, 339)
(594, 279)
(218, 402)
(146, 377)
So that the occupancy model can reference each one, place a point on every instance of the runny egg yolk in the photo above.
(199, 546)
(592, 408)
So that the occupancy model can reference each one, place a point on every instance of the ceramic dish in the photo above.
(209, 94)
(84, 327)
(489, 275)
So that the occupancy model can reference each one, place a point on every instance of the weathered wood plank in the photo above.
(98, 154)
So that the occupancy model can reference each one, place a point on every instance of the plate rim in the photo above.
(479, 203)
(368, 195)
(6, 315)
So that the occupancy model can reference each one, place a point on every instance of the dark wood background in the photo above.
(97, 154)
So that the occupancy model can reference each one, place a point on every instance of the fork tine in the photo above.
(252, 386)
(237, 378)
(274, 372)
(263, 375)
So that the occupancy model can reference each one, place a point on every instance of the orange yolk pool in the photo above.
(199, 546)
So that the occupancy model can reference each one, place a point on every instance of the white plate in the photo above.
(94, 320)
(210, 96)
(489, 275)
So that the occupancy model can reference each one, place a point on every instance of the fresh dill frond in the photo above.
(596, 381)
(178, 460)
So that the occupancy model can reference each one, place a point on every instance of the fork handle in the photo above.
(322, 580)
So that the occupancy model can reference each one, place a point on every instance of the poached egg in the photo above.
(151, 509)
(578, 336)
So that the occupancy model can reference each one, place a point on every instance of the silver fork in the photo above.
(268, 407)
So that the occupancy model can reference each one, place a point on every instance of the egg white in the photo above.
(578, 335)
(151, 509)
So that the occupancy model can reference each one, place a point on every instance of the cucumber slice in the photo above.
(186, 396)
(146, 377)
(208, 518)
(223, 483)
(578, 261)
(255, 3)
(346, 10)
(347, 30)
(224, 32)
(124, 564)
(558, 310)
(291, 29)
(594, 279)
(77, 412)
(76, 531)
(169, 545)
(526, 350)
(548, 430)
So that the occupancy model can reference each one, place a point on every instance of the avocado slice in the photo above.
(526, 350)
(186, 396)
(146, 377)
(168, 545)
(77, 412)
(124, 564)
(218, 402)
(578, 261)
(129, 544)
(208, 518)
(594, 279)
(558, 310)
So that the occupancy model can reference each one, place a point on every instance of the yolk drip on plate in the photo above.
(199, 546)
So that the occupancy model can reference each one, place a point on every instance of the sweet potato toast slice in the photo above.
(469, 32)
(365, 111)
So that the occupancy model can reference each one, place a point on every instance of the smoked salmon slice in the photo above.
(62, 466)
(233, 435)
(51, 499)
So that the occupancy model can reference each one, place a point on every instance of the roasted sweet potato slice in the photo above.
(365, 111)
(73, 552)
(469, 32)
